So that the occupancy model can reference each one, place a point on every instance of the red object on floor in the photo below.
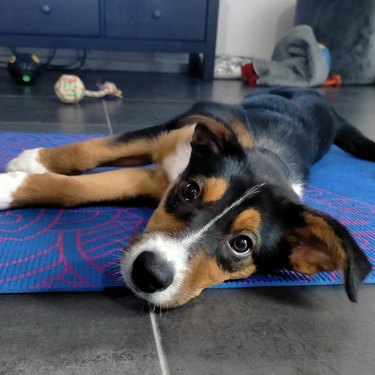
(248, 73)
(333, 81)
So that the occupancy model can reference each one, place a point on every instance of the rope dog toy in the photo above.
(70, 89)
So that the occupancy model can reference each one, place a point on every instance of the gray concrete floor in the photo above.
(281, 331)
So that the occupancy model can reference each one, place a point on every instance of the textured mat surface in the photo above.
(78, 249)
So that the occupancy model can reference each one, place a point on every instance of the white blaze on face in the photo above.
(174, 250)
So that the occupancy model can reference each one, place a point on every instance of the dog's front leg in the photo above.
(19, 189)
(142, 147)
(75, 158)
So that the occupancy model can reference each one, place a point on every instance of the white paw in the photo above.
(27, 161)
(9, 183)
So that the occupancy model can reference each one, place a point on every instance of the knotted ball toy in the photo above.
(70, 89)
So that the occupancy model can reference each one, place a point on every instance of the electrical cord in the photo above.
(48, 66)
(67, 68)
(50, 58)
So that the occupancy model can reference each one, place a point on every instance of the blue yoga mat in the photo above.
(78, 249)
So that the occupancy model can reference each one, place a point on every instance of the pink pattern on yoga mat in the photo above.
(79, 249)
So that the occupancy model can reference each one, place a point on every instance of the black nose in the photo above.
(151, 273)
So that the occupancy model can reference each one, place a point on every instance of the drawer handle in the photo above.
(156, 14)
(46, 9)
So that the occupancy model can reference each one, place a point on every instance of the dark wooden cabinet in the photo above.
(50, 17)
(156, 19)
(186, 26)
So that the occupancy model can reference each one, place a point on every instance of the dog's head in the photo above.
(221, 219)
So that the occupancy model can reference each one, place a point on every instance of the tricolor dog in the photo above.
(228, 181)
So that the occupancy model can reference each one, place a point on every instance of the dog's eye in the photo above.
(241, 244)
(190, 192)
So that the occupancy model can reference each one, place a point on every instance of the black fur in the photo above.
(291, 129)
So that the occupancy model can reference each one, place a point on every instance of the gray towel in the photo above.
(296, 61)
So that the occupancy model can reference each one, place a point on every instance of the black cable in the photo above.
(69, 67)
(83, 60)
(50, 58)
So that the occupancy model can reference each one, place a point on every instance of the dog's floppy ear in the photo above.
(211, 136)
(320, 243)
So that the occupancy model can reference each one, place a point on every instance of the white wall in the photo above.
(252, 27)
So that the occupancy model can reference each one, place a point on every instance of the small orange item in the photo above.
(333, 81)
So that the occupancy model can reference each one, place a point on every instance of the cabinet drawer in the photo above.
(156, 19)
(52, 17)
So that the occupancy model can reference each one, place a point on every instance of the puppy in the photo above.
(227, 181)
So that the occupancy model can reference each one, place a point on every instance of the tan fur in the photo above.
(53, 189)
(237, 126)
(69, 191)
(163, 221)
(165, 145)
(249, 219)
(242, 133)
(222, 133)
(56, 188)
(78, 157)
(203, 273)
(245, 272)
(214, 189)
(316, 247)
(213, 124)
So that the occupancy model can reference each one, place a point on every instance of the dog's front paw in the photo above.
(9, 184)
(27, 161)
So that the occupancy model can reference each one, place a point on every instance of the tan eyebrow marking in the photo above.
(195, 236)
(248, 219)
(214, 189)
